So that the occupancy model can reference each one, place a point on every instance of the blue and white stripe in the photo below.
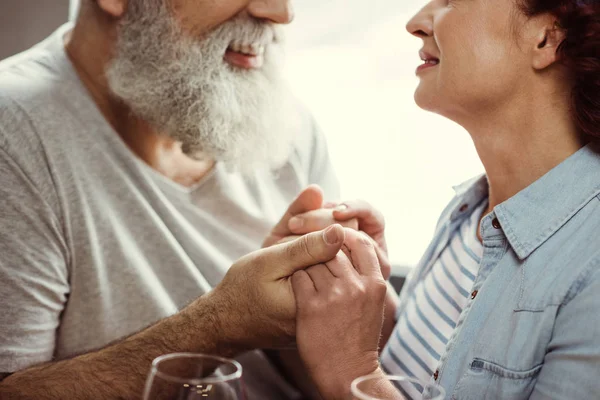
(429, 319)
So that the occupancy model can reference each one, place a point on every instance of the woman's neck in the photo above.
(522, 143)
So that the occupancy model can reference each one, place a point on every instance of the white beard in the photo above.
(183, 88)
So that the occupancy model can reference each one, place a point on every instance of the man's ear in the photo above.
(114, 8)
(546, 42)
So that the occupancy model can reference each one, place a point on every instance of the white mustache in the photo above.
(243, 31)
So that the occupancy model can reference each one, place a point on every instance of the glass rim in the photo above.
(397, 378)
(210, 380)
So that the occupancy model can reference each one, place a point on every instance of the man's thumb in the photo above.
(314, 248)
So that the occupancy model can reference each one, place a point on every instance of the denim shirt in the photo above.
(531, 329)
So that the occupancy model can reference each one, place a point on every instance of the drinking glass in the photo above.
(391, 387)
(188, 376)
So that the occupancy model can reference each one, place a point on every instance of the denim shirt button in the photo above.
(463, 208)
(474, 294)
(496, 223)
(436, 374)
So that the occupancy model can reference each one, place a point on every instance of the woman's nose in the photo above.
(421, 24)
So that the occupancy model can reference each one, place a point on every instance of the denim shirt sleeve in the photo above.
(571, 368)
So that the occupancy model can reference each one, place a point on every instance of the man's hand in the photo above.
(256, 297)
(356, 214)
(253, 307)
(340, 314)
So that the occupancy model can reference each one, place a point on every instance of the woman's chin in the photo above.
(426, 99)
(436, 103)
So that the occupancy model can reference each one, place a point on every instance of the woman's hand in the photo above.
(255, 302)
(356, 214)
(339, 316)
(310, 203)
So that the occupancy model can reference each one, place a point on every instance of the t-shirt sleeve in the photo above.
(34, 281)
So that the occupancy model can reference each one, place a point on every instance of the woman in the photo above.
(504, 303)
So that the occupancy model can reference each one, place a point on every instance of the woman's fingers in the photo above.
(370, 219)
(302, 285)
(341, 266)
(317, 220)
(321, 276)
(364, 255)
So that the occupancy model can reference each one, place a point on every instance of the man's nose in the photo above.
(277, 11)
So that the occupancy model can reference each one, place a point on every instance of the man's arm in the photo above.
(119, 371)
(252, 307)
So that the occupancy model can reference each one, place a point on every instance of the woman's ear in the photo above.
(114, 8)
(548, 39)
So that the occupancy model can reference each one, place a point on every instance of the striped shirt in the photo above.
(423, 329)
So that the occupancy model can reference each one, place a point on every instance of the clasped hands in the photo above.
(339, 302)
(319, 279)
(308, 213)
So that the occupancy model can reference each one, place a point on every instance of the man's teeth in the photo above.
(434, 62)
(248, 49)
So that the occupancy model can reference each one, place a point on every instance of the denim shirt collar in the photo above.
(534, 214)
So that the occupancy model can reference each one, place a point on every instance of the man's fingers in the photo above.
(314, 248)
(310, 199)
(362, 251)
(316, 220)
(288, 239)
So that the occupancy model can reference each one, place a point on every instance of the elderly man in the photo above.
(142, 151)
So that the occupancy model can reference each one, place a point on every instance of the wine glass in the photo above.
(188, 376)
(391, 387)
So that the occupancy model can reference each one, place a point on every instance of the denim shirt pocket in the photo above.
(488, 380)
(505, 359)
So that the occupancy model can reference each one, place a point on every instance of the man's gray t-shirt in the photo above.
(94, 244)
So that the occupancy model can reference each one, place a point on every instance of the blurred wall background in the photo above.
(25, 22)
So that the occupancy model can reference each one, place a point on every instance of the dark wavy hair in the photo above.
(580, 53)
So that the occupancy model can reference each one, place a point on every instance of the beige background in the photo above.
(25, 22)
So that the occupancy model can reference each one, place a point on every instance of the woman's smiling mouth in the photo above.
(429, 61)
